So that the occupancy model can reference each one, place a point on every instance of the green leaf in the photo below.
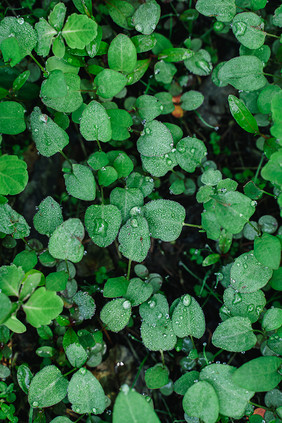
(144, 183)
(61, 419)
(272, 319)
(224, 11)
(6, 307)
(144, 43)
(13, 223)
(102, 222)
(191, 100)
(127, 199)
(154, 311)
(11, 118)
(21, 80)
(264, 100)
(65, 242)
(109, 83)
(48, 217)
(55, 85)
(159, 166)
(83, 6)
(139, 71)
(175, 54)
(248, 29)
(42, 307)
(188, 318)
(95, 123)
(146, 17)
(155, 140)
(107, 175)
(272, 170)
(115, 287)
(57, 16)
(47, 388)
(80, 183)
(24, 377)
(232, 399)
(158, 337)
(133, 408)
(169, 226)
(242, 115)
(166, 101)
(122, 163)
(47, 135)
(76, 355)
(79, 30)
(45, 34)
(116, 314)
(69, 102)
(248, 274)
(121, 11)
(234, 334)
(164, 72)
(56, 281)
(157, 376)
(233, 210)
(201, 401)
(15, 325)
(138, 292)
(86, 305)
(190, 153)
(200, 63)
(23, 35)
(182, 384)
(13, 175)
(10, 279)
(122, 55)
(260, 374)
(245, 305)
(243, 73)
(11, 52)
(98, 160)
(30, 281)
(149, 107)
(267, 250)
(134, 239)
(120, 123)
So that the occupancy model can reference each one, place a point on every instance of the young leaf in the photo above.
(169, 227)
(272, 319)
(139, 70)
(48, 136)
(133, 408)
(233, 400)
(57, 16)
(102, 222)
(234, 334)
(15, 325)
(121, 121)
(157, 376)
(134, 239)
(24, 377)
(242, 115)
(144, 43)
(148, 107)
(155, 310)
(191, 100)
(6, 307)
(86, 305)
(201, 401)
(65, 242)
(164, 72)
(158, 337)
(13, 223)
(138, 292)
(76, 354)
(245, 305)
(56, 281)
(45, 35)
(188, 318)
(48, 217)
(95, 123)
(115, 287)
(42, 307)
(79, 30)
(122, 54)
(200, 63)
(146, 17)
(69, 102)
(13, 175)
(185, 381)
(80, 183)
(47, 388)
(116, 314)
(248, 274)
(155, 140)
(126, 200)
(121, 11)
(224, 11)
(260, 374)
(11, 118)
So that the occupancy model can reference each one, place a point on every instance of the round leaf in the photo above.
(109, 83)
(42, 307)
(11, 117)
(201, 401)
(102, 223)
(48, 217)
(234, 334)
(122, 54)
(190, 153)
(146, 17)
(116, 314)
(13, 174)
(158, 337)
(157, 376)
(95, 123)
(79, 30)
(155, 140)
(134, 239)
(248, 29)
(80, 183)
(188, 318)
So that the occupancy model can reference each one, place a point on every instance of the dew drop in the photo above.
(187, 300)
(134, 223)
(250, 308)
(126, 305)
(237, 298)
(35, 404)
(139, 28)
(82, 370)
(152, 304)
(148, 131)
(239, 28)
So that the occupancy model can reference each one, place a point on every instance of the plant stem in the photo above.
(71, 371)
(189, 271)
(99, 145)
(204, 122)
(258, 169)
(66, 158)
(192, 226)
(139, 370)
(38, 64)
(30, 415)
(162, 356)
(128, 269)
(79, 418)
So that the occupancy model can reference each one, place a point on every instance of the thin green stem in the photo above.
(28, 244)
(139, 370)
(203, 120)
(259, 406)
(128, 269)
(271, 35)
(99, 145)
(189, 271)
(102, 195)
(38, 64)
(162, 356)
(193, 226)
(71, 371)
(258, 169)
(30, 417)
(217, 353)
(66, 158)
(231, 358)
(80, 418)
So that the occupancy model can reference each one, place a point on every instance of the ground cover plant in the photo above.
(140, 198)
